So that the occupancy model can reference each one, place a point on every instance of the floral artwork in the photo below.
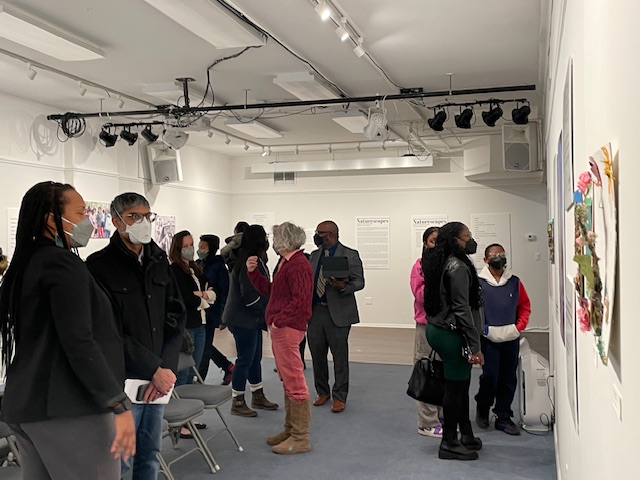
(596, 248)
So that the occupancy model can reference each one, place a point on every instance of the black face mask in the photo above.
(498, 263)
(471, 247)
(318, 240)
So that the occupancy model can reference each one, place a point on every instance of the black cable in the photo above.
(71, 126)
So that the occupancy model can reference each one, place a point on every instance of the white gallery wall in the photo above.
(30, 153)
(341, 196)
(601, 37)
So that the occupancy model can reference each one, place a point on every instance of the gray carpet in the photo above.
(374, 438)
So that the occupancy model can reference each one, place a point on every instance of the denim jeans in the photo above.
(198, 335)
(499, 379)
(249, 348)
(148, 421)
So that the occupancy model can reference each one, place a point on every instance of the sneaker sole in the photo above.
(429, 433)
(264, 408)
(444, 455)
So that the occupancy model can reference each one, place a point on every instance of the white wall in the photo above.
(342, 197)
(601, 37)
(30, 153)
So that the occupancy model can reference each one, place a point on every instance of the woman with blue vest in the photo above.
(506, 310)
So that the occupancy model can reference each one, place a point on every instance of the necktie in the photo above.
(322, 282)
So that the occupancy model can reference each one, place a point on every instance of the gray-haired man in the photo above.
(136, 273)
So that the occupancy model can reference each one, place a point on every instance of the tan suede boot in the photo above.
(282, 436)
(298, 442)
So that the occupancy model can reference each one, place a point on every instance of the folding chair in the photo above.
(10, 472)
(181, 413)
(213, 396)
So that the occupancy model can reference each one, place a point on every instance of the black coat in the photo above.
(69, 356)
(245, 306)
(216, 276)
(187, 285)
(456, 313)
(149, 304)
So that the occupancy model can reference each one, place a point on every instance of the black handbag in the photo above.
(427, 381)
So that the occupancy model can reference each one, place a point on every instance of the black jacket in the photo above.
(69, 357)
(187, 285)
(216, 276)
(148, 301)
(245, 306)
(456, 313)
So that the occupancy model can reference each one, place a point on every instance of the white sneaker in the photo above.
(435, 432)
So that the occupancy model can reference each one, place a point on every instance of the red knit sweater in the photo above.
(290, 294)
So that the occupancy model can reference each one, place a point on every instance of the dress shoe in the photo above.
(337, 406)
(321, 400)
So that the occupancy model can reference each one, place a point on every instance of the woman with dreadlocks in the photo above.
(452, 302)
(63, 347)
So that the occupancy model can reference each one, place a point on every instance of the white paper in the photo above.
(164, 230)
(567, 138)
(12, 227)
(488, 228)
(372, 240)
(309, 246)
(419, 223)
(266, 219)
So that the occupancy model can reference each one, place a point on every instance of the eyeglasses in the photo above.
(137, 217)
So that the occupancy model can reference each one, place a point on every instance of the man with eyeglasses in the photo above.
(506, 313)
(135, 271)
(334, 311)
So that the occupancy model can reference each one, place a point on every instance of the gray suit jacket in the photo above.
(342, 305)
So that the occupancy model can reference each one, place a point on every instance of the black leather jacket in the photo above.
(456, 313)
(148, 301)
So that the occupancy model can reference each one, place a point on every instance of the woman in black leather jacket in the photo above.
(453, 302)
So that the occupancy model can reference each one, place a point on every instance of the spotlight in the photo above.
(341, 31)
(359, 148)
(323, 10)
(210, 133)
(175, 139)
(520, 116)
(269, 151)
(463, 120)
(107, 138)
(492, 116)
(81, 89)
(376, 128)
(31, 73)
(129, 137)
(120, 102)
(359, 49)
(330, 150)
(384, 146)
(246, 146)
(148, 135)
(297, 150)
(227, 140)
(437, 122)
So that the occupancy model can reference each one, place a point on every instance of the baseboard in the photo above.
(385, 325)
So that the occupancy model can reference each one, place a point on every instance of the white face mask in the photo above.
(139, 233)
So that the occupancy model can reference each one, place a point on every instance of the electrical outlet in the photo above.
(538, 256)
(617, 402)
(368, 300)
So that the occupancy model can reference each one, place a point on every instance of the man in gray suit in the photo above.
(334, 311)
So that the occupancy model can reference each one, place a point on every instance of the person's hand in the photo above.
(252, 263)
(222, 326)
(477, 359)
(124, 443)
(163, 379)
(339, 284)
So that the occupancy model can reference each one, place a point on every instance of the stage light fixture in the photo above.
(384, 145)
(120, 102)
(520, 115)
(175, 139)
(463, 119)
(108, 139)
(341, 31)
(31, 73)
(297, 150)
(323, 10)
(246, 146)
(492, 116)
(81, 89)
(128, 137)
(359, 148)
(359, 49)
(227, 140)
(330, 150)
(264, 152)
(148, 135)
(437, 122)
